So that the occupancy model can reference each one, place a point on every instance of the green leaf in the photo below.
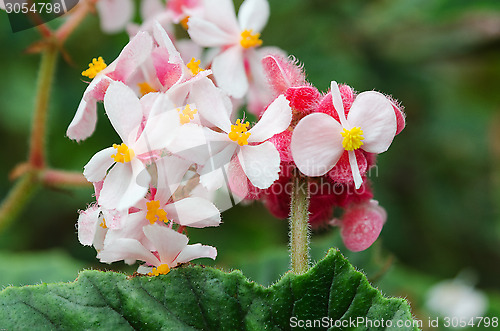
(194, 297)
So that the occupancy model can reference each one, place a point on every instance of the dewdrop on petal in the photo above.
(361, 225)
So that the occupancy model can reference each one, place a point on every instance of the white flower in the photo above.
(171, 249)
(237, 37)
(115, 14)
(259, 158)
(456, 298)
(319, 141)
(121, 188)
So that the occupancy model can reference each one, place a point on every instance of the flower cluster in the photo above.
(187, 153)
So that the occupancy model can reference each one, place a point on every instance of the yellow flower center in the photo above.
(194, 66)
(103, 224)
(249, 39)
(145, 88)
(352, 138)
(186, 115)
(239, 133)
(184, 22)
(123, 153)
(96, 66)
(155, 213)
(162, 269)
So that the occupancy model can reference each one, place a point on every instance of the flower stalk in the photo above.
(299, 225)
(39, 128)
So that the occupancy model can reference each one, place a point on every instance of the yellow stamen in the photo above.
(162, 269)
(145, 88)
(249, 39)
(155, 213)
(123, 153)
(184, 22)
(96, 66)
(194, 66)
(186, 115)
(239, 133)
(352, 138)
(103, 224)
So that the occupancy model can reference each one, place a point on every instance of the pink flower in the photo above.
(361, 225)
(319, 140)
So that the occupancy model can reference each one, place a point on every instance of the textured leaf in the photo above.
(194, 297)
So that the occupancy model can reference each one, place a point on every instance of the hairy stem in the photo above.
(39, 127)
(299, 225)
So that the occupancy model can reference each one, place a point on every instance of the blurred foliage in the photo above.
(439, 181)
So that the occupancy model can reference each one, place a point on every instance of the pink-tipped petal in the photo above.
(361, 225)
(374, 114)
(317, 144)
(276, 119)
(133, 55)
(253, 15)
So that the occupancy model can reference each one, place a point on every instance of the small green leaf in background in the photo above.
(34, 268)
(195, 297)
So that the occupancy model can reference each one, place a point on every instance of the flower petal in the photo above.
(127, 249)
(83, 124)
(193, 212)
(133, 55)
(355, 170)
(316, 144)
(229, 72)
(196, 251)
(222, 13)
(253, 15)
(337, 103)
(207, 34)
(261, 163)
(275, 119)
(168, 243)
(120, 189)
(212, 103)
(170, 172)
(124, 110)
(114, 14)
(374, 114)
(87, 225)
(95, 170)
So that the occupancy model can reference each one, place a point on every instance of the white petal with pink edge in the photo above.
(261, 163)
(87, 225)
(317, 144)
(374, 114)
